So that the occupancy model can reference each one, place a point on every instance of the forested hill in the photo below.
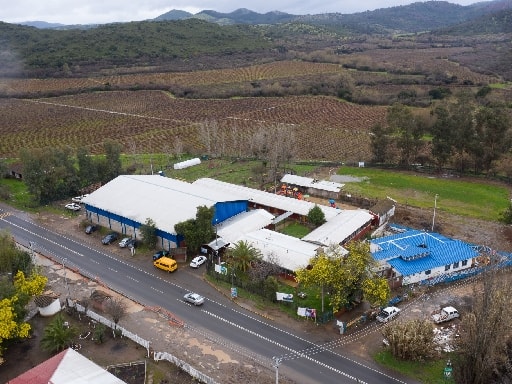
(499, 22)
(138, 43)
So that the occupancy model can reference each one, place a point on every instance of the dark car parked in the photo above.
(90, 229)
(110, 238)
(160, 254)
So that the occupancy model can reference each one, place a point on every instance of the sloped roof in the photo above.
(67, 367)
(165, 200)
(340, 227)
(417, 251)
(235, 227)
(267, 199)
(308, 182)
(290, 253)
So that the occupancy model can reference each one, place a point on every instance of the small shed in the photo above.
(48, 305)
(383, 211)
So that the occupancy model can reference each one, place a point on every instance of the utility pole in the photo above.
(277, 361)
(434, 216)
(65, 279)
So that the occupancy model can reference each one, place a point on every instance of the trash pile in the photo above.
(444, 338)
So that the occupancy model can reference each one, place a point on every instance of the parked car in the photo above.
(445, 314)
(198, 261)
(194, 298)
(166, 264)
(110, 238)
(78, 199)
(72, 206)
(124, 243)
(90, 229)
(388, 314)
(160, 254)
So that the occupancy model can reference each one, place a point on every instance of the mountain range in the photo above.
(415, 17)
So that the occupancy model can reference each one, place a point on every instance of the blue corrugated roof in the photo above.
(433, 250)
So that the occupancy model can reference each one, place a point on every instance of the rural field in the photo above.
(152, 121)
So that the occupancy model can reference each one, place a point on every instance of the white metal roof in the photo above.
(339, 228)
(235, 227)
(284, 203)
(308, 182)
(165, 200)
(289, 252)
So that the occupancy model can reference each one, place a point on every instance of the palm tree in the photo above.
(242, 255)
(58, 335)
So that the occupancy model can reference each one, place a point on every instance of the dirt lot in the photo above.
(225, 365)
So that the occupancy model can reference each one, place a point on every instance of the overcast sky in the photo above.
(108, 11)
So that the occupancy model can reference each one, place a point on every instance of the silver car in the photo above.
(124, 243)
(194, 298)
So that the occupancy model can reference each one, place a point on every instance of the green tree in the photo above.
(242, 255)
(270, 287)
(110, 166)
(493, 136)
(316, 216)
(462, 128)
(380, 142)
(87, 168)
(13, 259)
(49, 173)
(148, 231)
(341, 273)
(197, 231)
(58, 335)
(408, 130)
(443, 138)
(506, 215)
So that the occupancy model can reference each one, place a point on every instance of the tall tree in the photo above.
(492, 127)
(49, 173)
(117, 309)
(380, 142)
(242, 255)
(316, 216)
(87, 168)
(148, 231)
(443, 137)
(110, 167)
(485, 331)
(197, 231)
(343, 274)
(408, 130)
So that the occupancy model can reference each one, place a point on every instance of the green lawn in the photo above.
(426, 372)
(479, 198)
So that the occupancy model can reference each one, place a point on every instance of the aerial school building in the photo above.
(240, 214)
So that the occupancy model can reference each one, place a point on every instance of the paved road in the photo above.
(302, 360)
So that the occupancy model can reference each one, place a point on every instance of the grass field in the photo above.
(477, 198)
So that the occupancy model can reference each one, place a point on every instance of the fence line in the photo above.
(157, 356)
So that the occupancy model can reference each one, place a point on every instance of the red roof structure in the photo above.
(67, 367)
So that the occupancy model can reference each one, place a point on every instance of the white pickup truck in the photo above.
(444, 314)
(388, 314)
